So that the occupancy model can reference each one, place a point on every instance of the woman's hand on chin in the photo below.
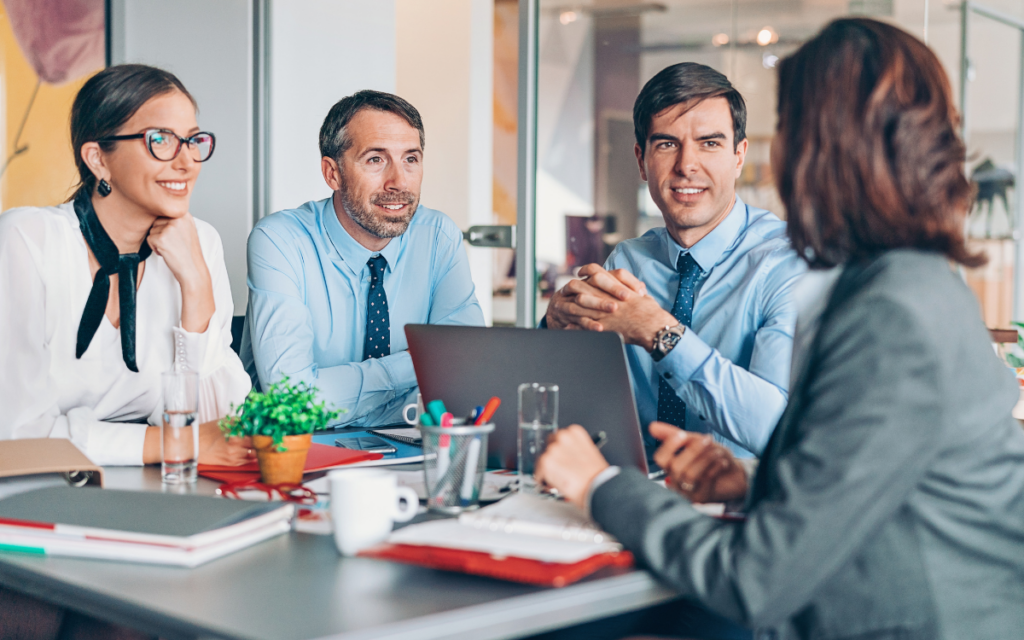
(177, 242)
(215, 449)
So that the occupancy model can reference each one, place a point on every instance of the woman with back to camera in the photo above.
(82, 349)
(890, 500)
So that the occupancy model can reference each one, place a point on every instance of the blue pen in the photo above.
(474, 414)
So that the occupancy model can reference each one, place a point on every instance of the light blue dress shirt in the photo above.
(731, 366)
(308, 284)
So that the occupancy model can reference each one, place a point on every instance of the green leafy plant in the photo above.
(284, 409)
(1015, 358)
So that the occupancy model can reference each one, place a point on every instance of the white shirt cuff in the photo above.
(104, 443)
(601, 478)
(684, 360)
(190, 349)
(750, 466)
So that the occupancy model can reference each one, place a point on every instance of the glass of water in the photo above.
(538, 419)
(179, 436)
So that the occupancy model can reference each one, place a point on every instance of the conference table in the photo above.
(297, 586)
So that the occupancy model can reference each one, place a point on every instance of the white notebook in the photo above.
(521, 526)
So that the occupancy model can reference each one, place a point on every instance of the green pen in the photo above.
(436, 409)
(17, 548)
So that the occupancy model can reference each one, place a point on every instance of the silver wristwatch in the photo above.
(666, 339)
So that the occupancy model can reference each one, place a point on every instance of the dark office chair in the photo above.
(237, 322)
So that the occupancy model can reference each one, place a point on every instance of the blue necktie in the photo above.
(670, 408)
(377, 343)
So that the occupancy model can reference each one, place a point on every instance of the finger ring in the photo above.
(686, 486)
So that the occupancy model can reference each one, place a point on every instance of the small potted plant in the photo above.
(281, 422)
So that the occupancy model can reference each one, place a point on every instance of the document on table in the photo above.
(523, 526)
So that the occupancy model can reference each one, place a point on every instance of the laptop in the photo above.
(465, 366)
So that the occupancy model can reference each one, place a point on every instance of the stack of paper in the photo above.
(522, 538)
(521, 526)
(133, 526)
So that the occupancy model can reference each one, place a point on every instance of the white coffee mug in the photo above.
(416, 409)
(365, 503)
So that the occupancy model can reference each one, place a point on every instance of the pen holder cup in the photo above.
(453, 466)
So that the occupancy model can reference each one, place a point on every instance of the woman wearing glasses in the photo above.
(104, 293)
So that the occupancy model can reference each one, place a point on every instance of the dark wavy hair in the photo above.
(867, 156)
(108, 100)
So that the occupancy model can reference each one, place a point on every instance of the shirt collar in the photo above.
(709, 249)
(353, 254)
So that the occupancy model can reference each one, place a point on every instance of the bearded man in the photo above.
(333, 283)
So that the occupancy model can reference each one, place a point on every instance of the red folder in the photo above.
(549, 574)
(320, 458)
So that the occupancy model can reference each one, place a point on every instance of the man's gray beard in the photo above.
(371, 222)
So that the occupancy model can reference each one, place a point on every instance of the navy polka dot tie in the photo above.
(670, 408)
(377, 343)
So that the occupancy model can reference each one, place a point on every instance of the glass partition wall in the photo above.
(991, 101)
(593, 56)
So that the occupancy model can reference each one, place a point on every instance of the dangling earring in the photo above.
(104, 188)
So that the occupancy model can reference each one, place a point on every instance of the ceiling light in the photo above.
(720, 39)
(766, 36)
(567, 16)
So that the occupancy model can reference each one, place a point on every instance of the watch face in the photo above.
(665, 340)
(668, 339)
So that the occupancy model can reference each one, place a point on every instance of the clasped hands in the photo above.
(696, 466)
(604, 300)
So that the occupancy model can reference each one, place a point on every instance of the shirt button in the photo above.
(668, 376)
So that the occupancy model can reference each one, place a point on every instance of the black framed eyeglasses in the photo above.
(165, 145)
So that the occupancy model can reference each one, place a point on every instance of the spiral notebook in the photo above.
(521, 526)
(405, 435)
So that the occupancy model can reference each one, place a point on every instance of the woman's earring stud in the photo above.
(104, 188)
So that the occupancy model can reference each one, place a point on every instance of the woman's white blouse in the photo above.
(46, 392)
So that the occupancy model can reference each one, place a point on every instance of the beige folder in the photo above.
(34, 456)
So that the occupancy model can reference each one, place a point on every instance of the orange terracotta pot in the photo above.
(277, 467)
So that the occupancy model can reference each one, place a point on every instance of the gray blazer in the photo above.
(889, 502)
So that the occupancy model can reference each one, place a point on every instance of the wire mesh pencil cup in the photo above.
(453, 467)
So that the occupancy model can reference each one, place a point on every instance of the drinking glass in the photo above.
(179, 437)
(538, 420)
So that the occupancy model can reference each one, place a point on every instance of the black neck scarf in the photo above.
(125, 265)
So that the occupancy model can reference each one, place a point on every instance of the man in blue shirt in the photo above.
(705, 301)
(333, 283)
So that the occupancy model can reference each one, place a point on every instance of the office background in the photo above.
(265, 72)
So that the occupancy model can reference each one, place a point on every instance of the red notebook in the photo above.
(320, 458)
(549, 574)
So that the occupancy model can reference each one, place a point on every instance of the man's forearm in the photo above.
(737, 404)
(363, 387)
